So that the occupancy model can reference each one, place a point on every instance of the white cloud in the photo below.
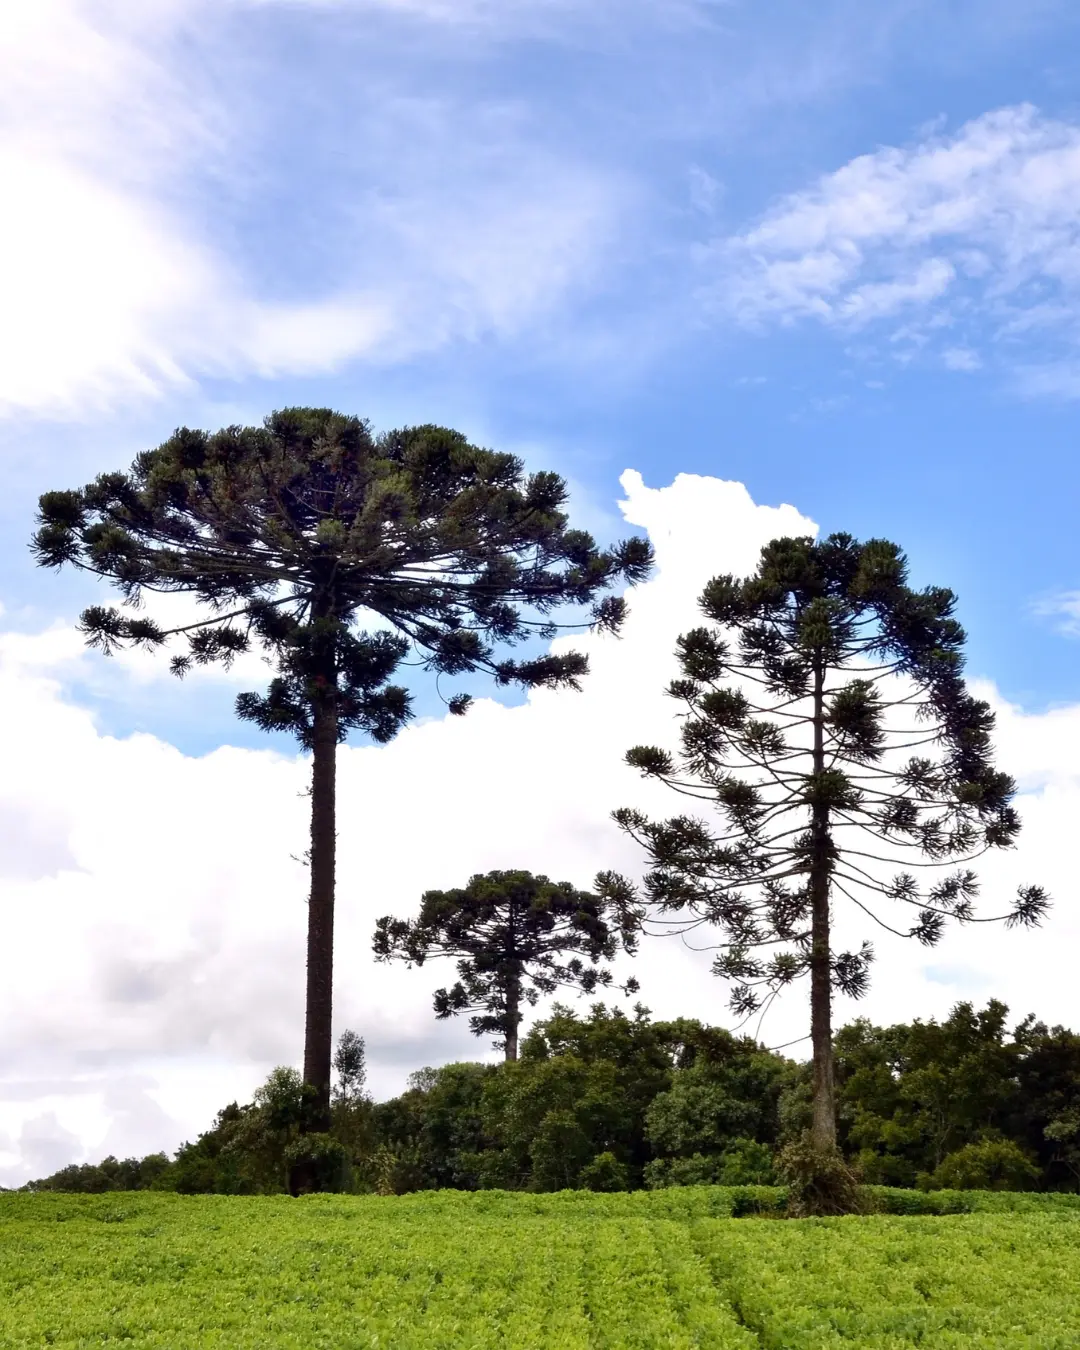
(1064, 610)
(521, 18)
(154, 915)
(980, 228)
(114, 290)
(961, 358)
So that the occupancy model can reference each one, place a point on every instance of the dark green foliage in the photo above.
(1046, 1122)
(602, 1070)
(914, 1096)
(989, 1165)
(516, 936)
(717, 1100)
(826, 723)
(288, 531)
(322, 1158)
(740, 1162)
(607, 1100)
(221, 1161)
(111, 1174)
(582, 1088)
(604, 1173)
(433, 1134)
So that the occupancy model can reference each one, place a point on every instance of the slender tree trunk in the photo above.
(318, 1038)
(513, 1017)
(824, 1103)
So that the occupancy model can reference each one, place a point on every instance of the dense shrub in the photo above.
(989, 1165)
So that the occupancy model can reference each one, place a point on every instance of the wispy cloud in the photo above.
(1063, 610)
(977, 232)
(552, 18)
(961, 358)
(118, 281)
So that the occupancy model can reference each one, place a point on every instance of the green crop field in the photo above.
(443, 1269)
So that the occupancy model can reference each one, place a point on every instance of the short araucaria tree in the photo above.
(827, 722)
(298, 536)
(516, 936)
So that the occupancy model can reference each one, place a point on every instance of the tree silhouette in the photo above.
(291, 536)
(512, 933)
(835, 742)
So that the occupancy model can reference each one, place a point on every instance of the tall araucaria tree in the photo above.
(293, 535)
(516, 936)
(827, 721)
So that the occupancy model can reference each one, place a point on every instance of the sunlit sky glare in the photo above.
(829, 251)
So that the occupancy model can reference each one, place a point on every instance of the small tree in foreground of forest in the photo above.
(291, 536)
(517, 936)
(838, 743)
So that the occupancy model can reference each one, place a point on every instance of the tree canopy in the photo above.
(288, 531)
(516, 936)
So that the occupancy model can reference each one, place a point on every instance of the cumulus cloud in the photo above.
(154, 908)
(977, 232)
(116, 274)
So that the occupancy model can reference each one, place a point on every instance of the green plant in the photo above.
(568, 1271)
(322, 1158)
(819, 1182)
(604, 1173)
(988, 1165)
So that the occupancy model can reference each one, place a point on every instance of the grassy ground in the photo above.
(666, 1269)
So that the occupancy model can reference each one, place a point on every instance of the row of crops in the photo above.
(573, 1270)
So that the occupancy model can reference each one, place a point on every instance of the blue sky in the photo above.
(549, 224)
(830, 251)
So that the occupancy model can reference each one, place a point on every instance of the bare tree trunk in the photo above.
(513, 1017)
(824, 1101)
(318, 1037)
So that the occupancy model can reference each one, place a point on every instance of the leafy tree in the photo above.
(1047, 1120)
(914, 1095)
(835, 739)
(585, 1087)
(710, 1105)
(352, 1121)
(741, 1162)
(217, 1162)
(911, 1094)
(433, 1134)
(289, 536)
(246, 1151)
(989, 1165)
(350, 1065)
(516, 936)
(604, 1173)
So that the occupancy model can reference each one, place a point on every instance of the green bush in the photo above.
(604, 1173)
(321, 1159)
(819, 1181)
(744, 1162)
(989, 1165)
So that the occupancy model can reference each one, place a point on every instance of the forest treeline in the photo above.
(610, 1101)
